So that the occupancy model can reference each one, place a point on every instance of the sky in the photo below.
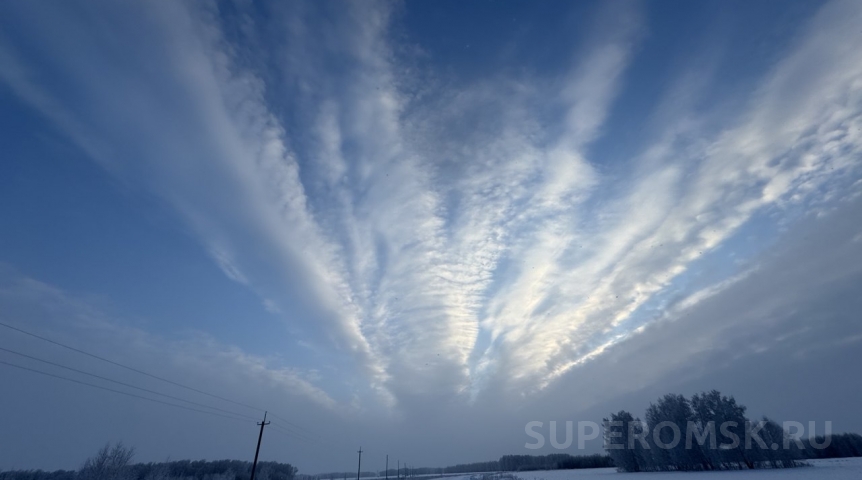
(415, 226)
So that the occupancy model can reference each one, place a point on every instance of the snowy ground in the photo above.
(834, 469)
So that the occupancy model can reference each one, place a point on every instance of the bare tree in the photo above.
(109, 463)
(159, 472)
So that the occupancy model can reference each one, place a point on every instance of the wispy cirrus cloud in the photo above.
(458, 237)
(686, 202)
(205, 141)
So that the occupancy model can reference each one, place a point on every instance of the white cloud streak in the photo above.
(448, 256)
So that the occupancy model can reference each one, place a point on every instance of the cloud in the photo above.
(453, 238)
(206, 142)
(782, 316)
(69, 318)
(684, 203)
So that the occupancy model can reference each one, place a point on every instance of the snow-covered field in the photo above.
(833, 469)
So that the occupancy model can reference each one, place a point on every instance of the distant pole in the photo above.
(399, 469)
(359, 467)
(387, 466)
(259, 438)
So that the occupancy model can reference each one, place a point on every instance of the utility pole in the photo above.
(359, 467)
(399, 469)
(259, 438)
(387, 466)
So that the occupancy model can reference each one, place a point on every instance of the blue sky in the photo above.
(422, 215)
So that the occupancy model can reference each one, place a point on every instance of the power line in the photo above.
(311, 437)
(126, 384)
(292, 427)
(296, 435)
(283, 431)
(2, 324)
(289, 434)
(129, 368)
(231, 415)
(290, 423)
(119, 391)
(275, 424)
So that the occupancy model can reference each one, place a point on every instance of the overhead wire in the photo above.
(2, 362)
(284, 431)
(297, 434)
(307, 433)
(128, 367)
(127, 384)
(245, 419)
(289, 422)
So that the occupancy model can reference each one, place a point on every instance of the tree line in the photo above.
(554, 461)
(710, 431)
(629, 446)
(842, 445)
(521, 463)
(506, 463)
(114, 463)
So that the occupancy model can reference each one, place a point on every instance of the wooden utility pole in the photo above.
(259, 438)
(358, 468)
(387, 466)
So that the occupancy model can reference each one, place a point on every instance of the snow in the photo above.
(832, 469)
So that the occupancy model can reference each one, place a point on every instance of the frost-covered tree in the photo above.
(159, 472)
(667, 420)
(772, 450)
(109, 463)
(709, 432)
(730, 423)
(729, 420)
(617, 437)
